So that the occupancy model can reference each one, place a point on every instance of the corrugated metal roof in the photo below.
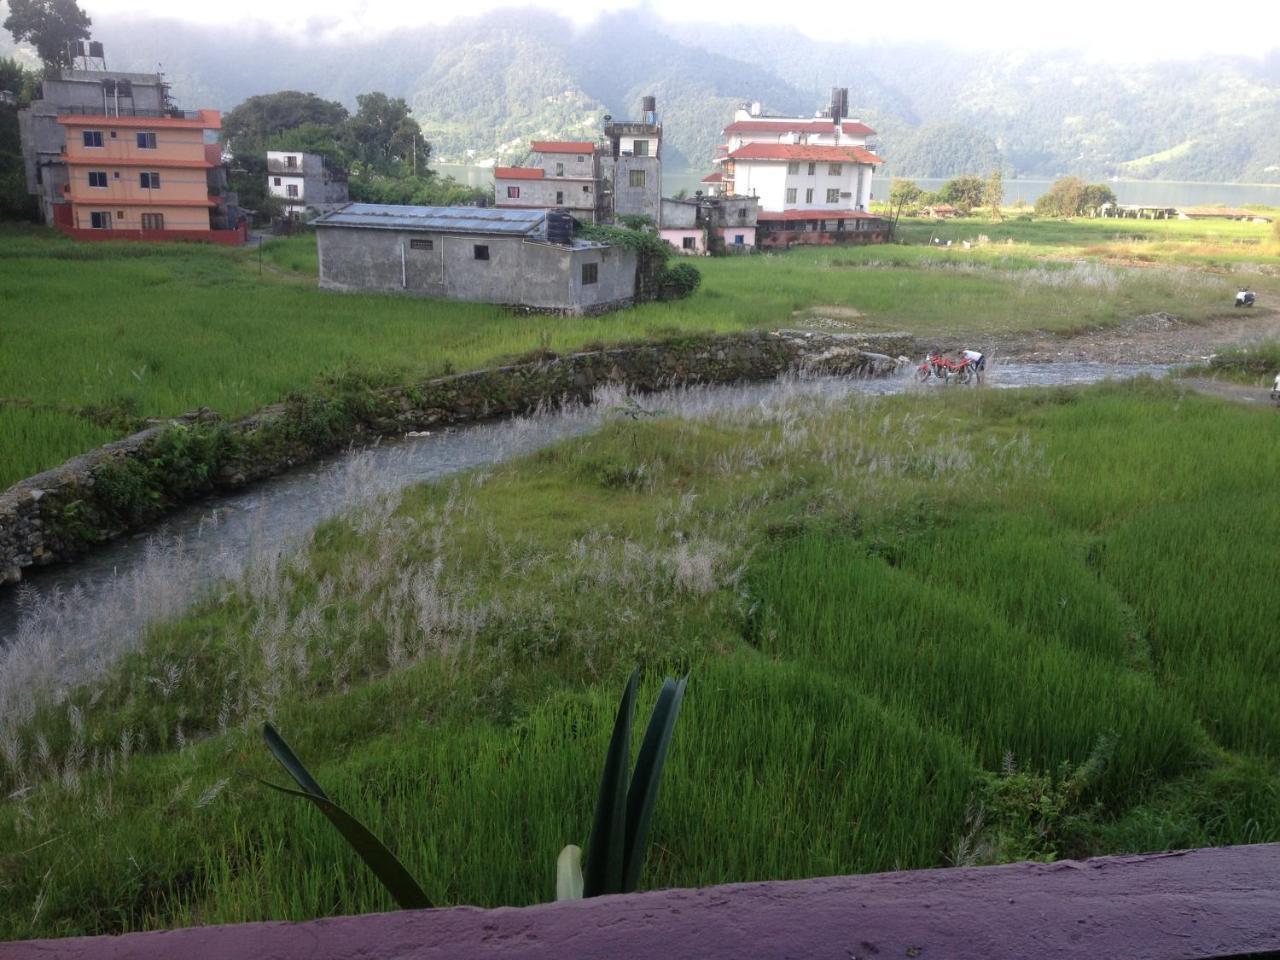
(386, 216)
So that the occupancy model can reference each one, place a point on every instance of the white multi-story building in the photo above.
(304, 181)
(811, 175)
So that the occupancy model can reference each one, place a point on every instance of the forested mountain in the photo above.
(482, 87)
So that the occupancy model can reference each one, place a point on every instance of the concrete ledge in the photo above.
(1175, 906)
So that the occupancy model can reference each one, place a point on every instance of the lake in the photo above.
(1165, 193)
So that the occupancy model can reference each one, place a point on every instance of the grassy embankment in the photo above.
(95, 337)
(1017, 624)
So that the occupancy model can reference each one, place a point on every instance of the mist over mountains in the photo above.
(481, 88)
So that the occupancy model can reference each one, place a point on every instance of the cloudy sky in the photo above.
(1106, 28)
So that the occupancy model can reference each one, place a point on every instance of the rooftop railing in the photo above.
(111, 111)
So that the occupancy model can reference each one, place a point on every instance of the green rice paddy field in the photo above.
(1014, 624)
(95, 337)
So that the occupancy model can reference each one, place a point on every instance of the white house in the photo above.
(304, 181)
(811, 175)
(800, 176)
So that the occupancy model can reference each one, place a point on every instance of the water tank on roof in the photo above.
(559, 227)
(649, 107)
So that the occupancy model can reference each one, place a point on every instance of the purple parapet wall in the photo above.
(1174, 906)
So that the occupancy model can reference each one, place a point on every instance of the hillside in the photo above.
(482, 87)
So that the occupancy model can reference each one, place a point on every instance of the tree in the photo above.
(382, 135)
(902, 194)
(253, 124)
(964, 192)
(13, 76)
(993, 194)
(1064, 198)
(1071, 197)
(49, 26)
(1096, 196)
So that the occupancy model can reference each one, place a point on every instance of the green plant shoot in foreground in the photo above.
(624, 811)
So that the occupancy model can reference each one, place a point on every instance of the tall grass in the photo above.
(892, 610)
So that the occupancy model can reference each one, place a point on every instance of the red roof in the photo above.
(562, 146)
(518, 173)
(852, 127)
(801, 151)
(716, 177)
(816, 214)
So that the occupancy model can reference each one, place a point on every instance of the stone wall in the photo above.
(127, 485)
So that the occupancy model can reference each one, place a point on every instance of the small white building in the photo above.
(305, 181)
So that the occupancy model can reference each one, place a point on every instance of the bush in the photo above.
(679, 281)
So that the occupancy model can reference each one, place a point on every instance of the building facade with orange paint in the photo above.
(109, 156)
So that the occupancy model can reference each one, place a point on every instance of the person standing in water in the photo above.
(977, 360)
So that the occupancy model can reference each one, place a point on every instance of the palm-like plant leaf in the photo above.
(606, 853)
(390, 871)
(643, 794)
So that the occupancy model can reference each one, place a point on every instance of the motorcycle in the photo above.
(941, 367)
(1244, 298)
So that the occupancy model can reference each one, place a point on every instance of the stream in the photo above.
(103, 601)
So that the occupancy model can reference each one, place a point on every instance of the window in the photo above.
(793, 168)
(291, 190)
(689, 243)
(808, 195)
(92, 138)
(422, 244)
(581, 158)
(113, 134)
(636, 178)
(586, 188)
(590, 273)
(115, 174)
(835, 169)
(149, 181)
(742, 213)
(277, 181)
(559, 197)
(640, 148)
(813, 169)
(791, 194)
(833, 195)
(513, 193)
(739, 239)
(146, 140)
(481, 251)
(100, 219)
(119, 214)
(559, 169)
(153, 221)
(97, 178)
(291, 161)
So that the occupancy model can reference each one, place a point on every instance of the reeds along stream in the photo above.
(961, 625)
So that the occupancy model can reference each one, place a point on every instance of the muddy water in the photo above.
(118, 589)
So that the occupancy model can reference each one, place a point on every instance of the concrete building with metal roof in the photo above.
(520, 258)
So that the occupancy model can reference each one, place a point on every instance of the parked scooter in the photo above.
(1244, 298)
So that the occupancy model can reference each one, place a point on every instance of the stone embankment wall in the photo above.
(127, 485)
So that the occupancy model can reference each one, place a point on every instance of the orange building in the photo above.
(140, 174)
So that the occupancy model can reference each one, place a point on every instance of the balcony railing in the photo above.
(111, 111)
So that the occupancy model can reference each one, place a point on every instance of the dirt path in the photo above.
(1235, 392)
(1157, 338)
